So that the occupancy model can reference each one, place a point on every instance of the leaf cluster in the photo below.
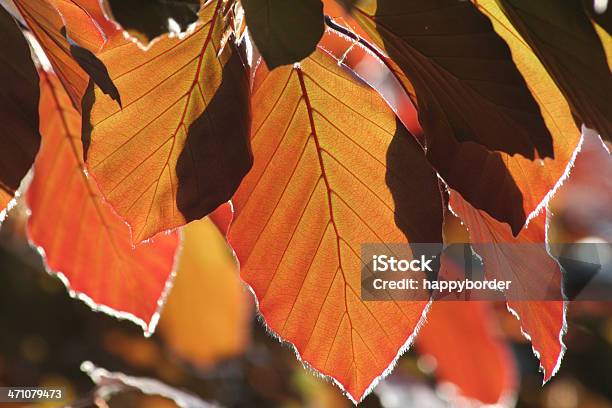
(325, 124)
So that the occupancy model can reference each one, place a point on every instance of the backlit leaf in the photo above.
(208, 314)
(284, 31)
(80, 236)
(563, 37)
(177, 147)
(468, 350)
(82, 22)
(527, 266)
(19, 94)
(91, 12)
(333, 169)
(374, 68)
(46, 23)
(475, 335)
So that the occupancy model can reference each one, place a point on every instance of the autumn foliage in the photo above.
(274, 138)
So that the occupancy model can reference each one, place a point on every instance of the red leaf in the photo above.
(88, 12)
(543, 322)
(466, 344)
(222, 217)
(81, 23)
(81, 237)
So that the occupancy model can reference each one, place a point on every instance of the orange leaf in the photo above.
(80, 236)
(463, 339)
(46, 23)
(333, 169)
(543, 322)
(90, 12)
(208, 314)
(82, 26)
(19, 94)
(374, 68)
(178, 146)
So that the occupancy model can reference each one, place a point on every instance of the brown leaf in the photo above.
(19, 94)
(509, 188)
(467, 86)
(563, 37)
(284, 32)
